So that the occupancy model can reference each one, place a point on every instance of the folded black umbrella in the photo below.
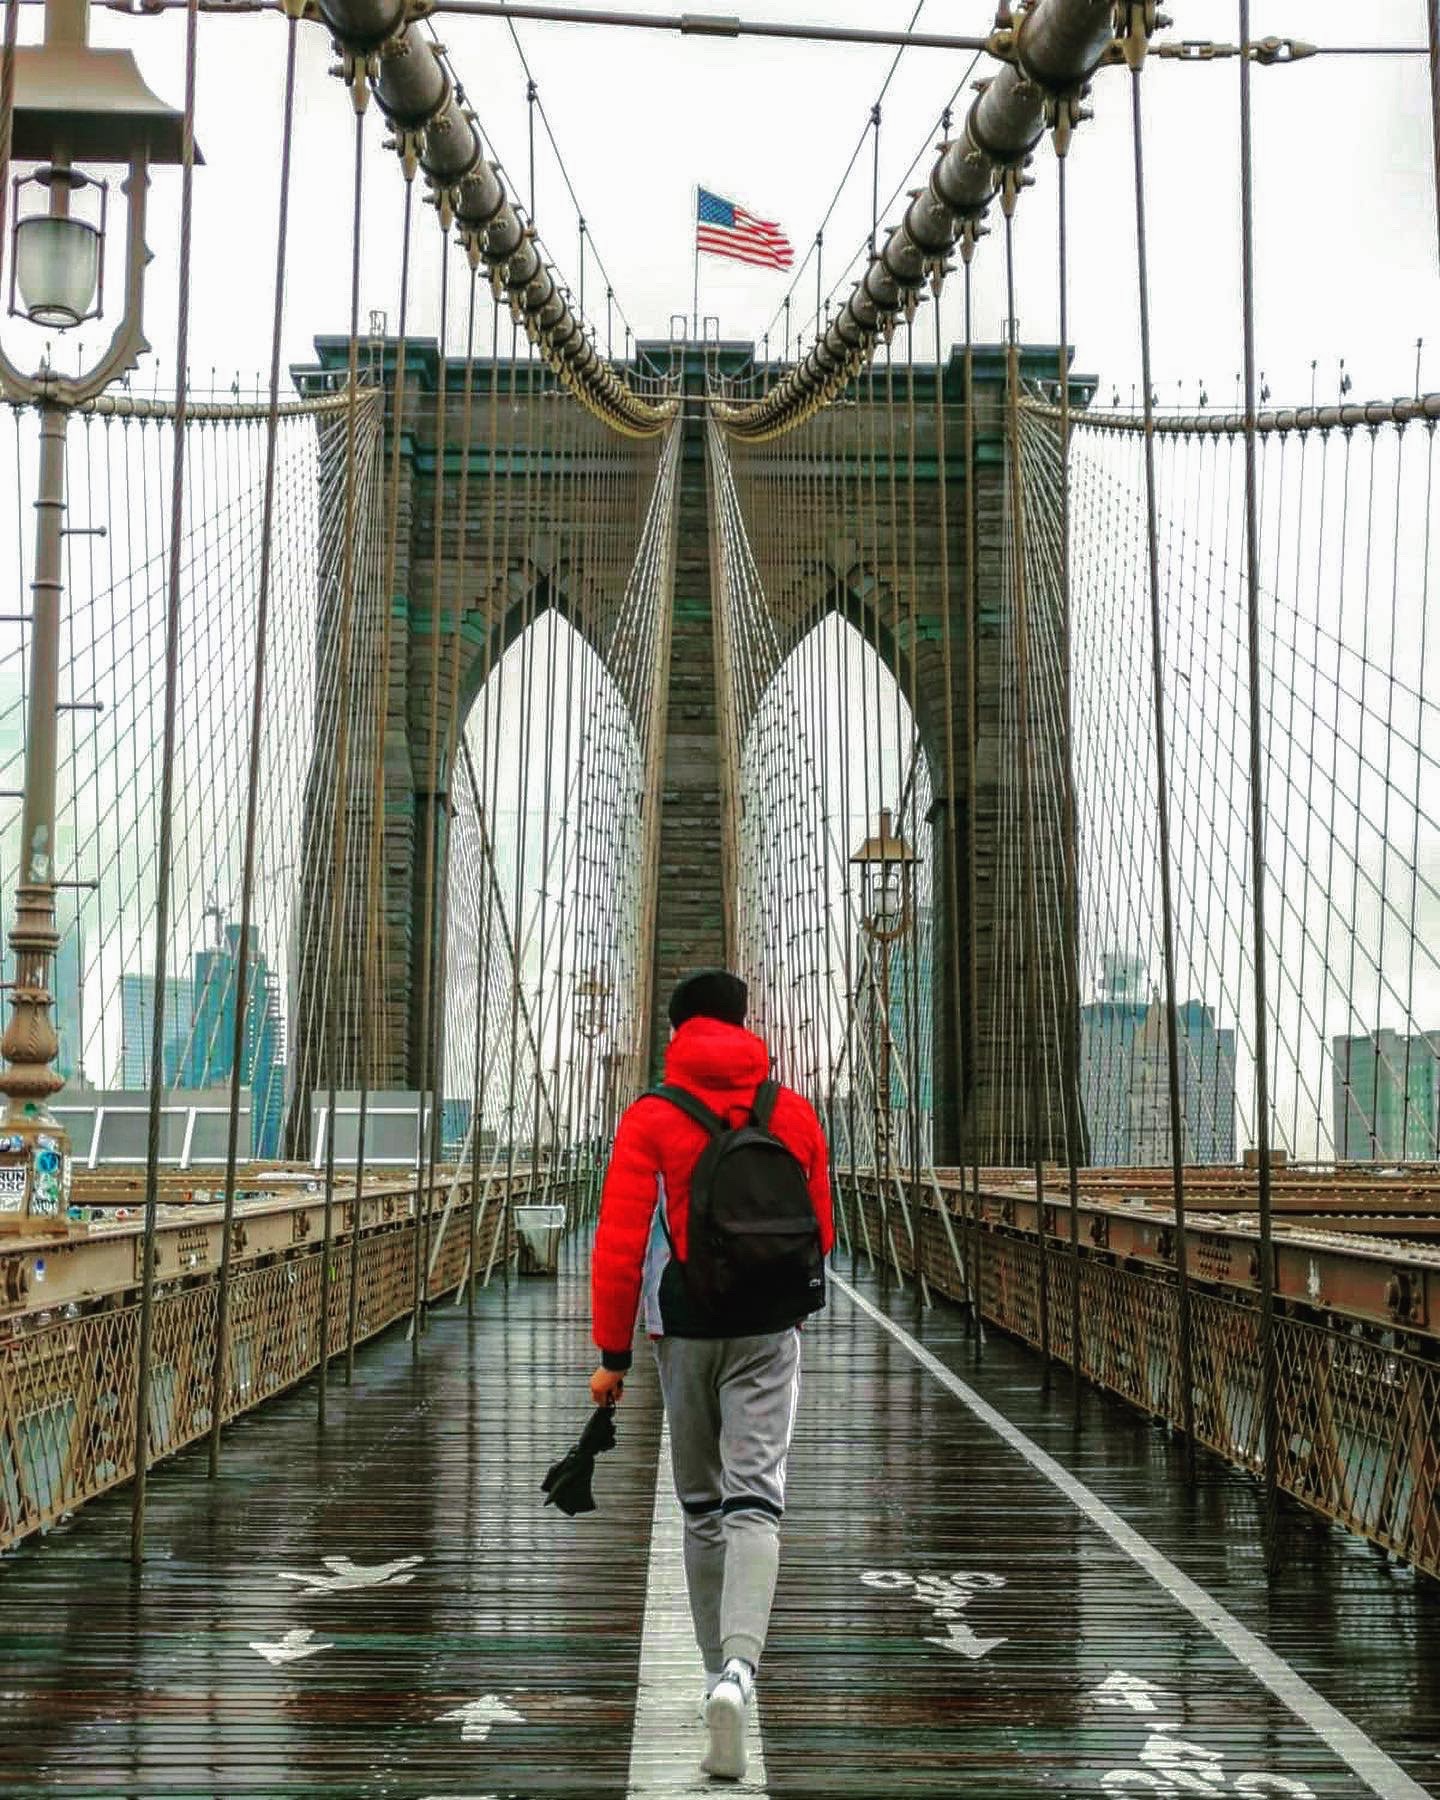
(567, 1483)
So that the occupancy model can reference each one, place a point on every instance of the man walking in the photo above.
(717, 1207)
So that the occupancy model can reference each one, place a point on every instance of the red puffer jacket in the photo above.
(722, 1064)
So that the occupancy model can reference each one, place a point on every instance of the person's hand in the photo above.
(606, 1386)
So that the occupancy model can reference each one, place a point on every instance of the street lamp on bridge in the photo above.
(73, 104)
(887, 911)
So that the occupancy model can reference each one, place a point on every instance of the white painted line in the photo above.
(669, 1732)
(1382, 1775)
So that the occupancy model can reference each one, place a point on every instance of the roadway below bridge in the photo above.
(977, 1596)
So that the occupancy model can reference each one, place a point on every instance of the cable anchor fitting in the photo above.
(971, 232)
(1063, 112)
(357, 69)
(1272, 50)
(406, 145)
(1136, 22)
(1012, 183)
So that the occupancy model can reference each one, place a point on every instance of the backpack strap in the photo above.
(762, 1107)
(691, 1105)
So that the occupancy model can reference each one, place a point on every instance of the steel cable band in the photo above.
(436, 131)
(1056, 47)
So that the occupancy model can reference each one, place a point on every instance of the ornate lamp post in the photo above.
(593, 994)
(887, 911)
(72, 103)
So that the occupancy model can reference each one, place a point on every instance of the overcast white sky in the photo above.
(1347, 260)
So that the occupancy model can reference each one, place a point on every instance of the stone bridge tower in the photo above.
(506, 587)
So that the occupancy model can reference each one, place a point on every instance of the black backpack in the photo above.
(754, 1262)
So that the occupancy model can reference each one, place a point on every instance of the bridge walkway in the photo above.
(973, 1598)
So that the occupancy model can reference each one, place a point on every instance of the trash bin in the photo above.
(538, 1230)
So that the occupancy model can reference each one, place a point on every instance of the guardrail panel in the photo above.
(1359, 1399)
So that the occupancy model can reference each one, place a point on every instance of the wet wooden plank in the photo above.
(154, 1689)
(523, 1629)
(894, 1480)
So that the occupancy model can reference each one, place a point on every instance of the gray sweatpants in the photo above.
(730, 1404)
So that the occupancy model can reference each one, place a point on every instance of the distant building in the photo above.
(1125, 1083)
(67, 988)
(137, 1015)
(209, 1053)
(199, 1044)
(1386, 1089)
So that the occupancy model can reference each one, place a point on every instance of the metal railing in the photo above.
(69, 1325)
(1357, 1334)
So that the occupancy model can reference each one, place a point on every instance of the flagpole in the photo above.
(695, 295)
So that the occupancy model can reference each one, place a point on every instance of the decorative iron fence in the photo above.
(68, 1365)
(1358, 1398)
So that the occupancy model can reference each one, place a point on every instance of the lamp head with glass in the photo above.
(57, 254)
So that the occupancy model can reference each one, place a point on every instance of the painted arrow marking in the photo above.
(964, 1642)
(1122, 1689)
(477, 1718)
(293, 1647)
(947, 1596)
(346, 1575)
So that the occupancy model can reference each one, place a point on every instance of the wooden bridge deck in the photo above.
(972, 1601)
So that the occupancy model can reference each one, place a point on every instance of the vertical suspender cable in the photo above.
(340, 826)
(218, 1382)
(1162, 777)
(535, 394)
(1432, 10)
(1269, 1399)
(531, 92)
(1029, 898)
(494, 718)
(950, 1055)
(917, 760)
(894, 1163)
(167, 796)
(970, 1102)
(486, 926)
(1070, 909)
(375, 1002)
(875, 179)
(429, 934)
(440, 956)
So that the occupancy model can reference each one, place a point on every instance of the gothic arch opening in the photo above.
(546, 976)
(835, 865)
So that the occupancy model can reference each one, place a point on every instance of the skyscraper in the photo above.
(67, 987)
(199, 1049)
(137, 1016)
(1125, 1082)
(1386, 1089)
(209, 1050)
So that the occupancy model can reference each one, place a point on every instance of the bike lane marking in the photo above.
(1361, 1755)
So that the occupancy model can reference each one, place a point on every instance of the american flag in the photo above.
(725, 229)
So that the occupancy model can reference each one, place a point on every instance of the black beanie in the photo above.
(709, 994)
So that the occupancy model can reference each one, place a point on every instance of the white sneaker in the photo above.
(725, 1716)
